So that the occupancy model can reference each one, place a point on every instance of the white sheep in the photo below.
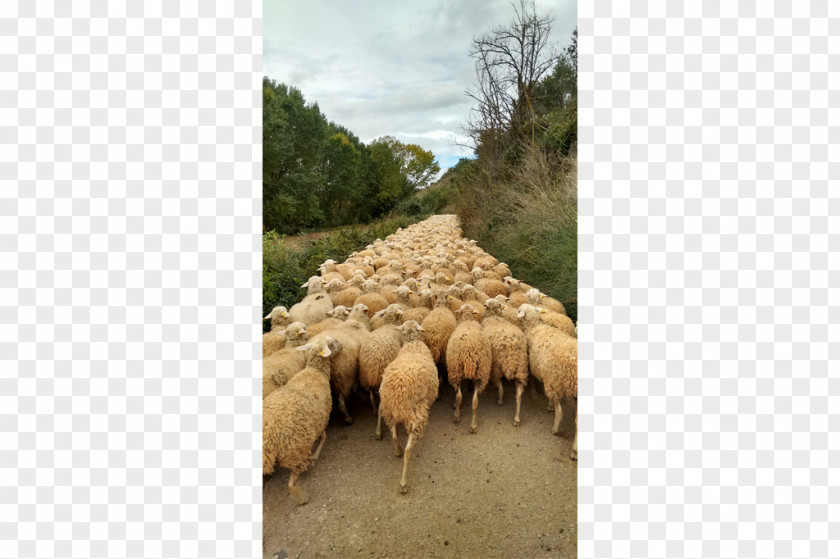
(468, 356)
(409, 387)
(282, 365)
(552, 356)
(279, 317)
(312, 309)
(377, 351)
(510, 352)
(297, 414)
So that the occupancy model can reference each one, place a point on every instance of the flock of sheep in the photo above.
(393, 319)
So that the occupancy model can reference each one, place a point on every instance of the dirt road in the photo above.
(504, 492)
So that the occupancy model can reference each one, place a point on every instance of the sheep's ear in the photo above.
(399, 312)
(420, 328)
(400, 328)
(284, 314)
(267, 316)
(542, 310)
(475, 312)
(304, 285)
(330, 313)
(521, 314)
(542, 295)
(326, 351)
(303, 347)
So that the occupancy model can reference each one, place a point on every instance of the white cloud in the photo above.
(390, 68)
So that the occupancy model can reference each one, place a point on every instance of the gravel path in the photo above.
(504, 492)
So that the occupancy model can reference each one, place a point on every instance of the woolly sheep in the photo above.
(312, 309)
(438, 327)
(297, 414)
(282, 365)
(559, 321)
(510, 352)
(539, 299)
(279, 317)
(552, 356)
(345, 365)
(334, 318)
(409, 388)
(468, 356)
(377, 351)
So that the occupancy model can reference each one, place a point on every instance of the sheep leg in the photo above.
(296, 491)
(378, 433)
(397, 447)
(558, 417)
(408, 445)
(520, 388)
(372, 401)
(549, 406)
(457, 406)
(474, 425)
(318, 450)
(573, 454)
(501, 391)
(342, 406)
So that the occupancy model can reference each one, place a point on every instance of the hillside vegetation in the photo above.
(317, 173)
(518, 196)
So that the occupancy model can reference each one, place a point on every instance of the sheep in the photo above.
(370, 298)
(491, 287)
(539, 299)
(552, 356)
(510, 352)
(314, 285)
(508, 312)
(438, 327)
(377, 351)
(345, 365)
(282, 365)
(559, 321)
(409, 387)
(517, 292)
(297, 414)
(312, 309)
(468, 356)
(378, 320)
(279, 317)
(334, 317)
(360, 313)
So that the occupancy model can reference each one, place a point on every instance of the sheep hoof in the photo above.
(377, 436)
(473, 430)
(500, 402)
(573, 455)
(553, 432)
(516, 423)
(403, 489)
(348, 420)
(455, 420)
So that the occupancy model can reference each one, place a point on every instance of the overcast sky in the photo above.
(381, 67)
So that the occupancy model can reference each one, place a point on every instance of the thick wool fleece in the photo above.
(374, 302)
(509, 348)
(312, 309)
(295, 415)
(552, 355)
(438, 328)
(379, 349)
(491, 287)
(409, 387)
(468, 354)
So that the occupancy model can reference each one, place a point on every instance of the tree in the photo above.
(509, 63)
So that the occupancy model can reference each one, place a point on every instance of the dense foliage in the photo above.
(518, 196)
(319, 174)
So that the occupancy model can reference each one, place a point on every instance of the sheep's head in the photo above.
(340, 312)
(493, 306)
(393, 314)
(529, 315)
(361, 308)
(276, 314)
(334, 284)
(295, 334)
(466, 312)
(321, 348)
(411, 330)
(315, 284)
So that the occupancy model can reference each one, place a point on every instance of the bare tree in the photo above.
(509, 62)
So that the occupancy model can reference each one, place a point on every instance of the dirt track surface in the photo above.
(504, 492)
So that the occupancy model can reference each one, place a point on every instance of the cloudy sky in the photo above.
(381, 67)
